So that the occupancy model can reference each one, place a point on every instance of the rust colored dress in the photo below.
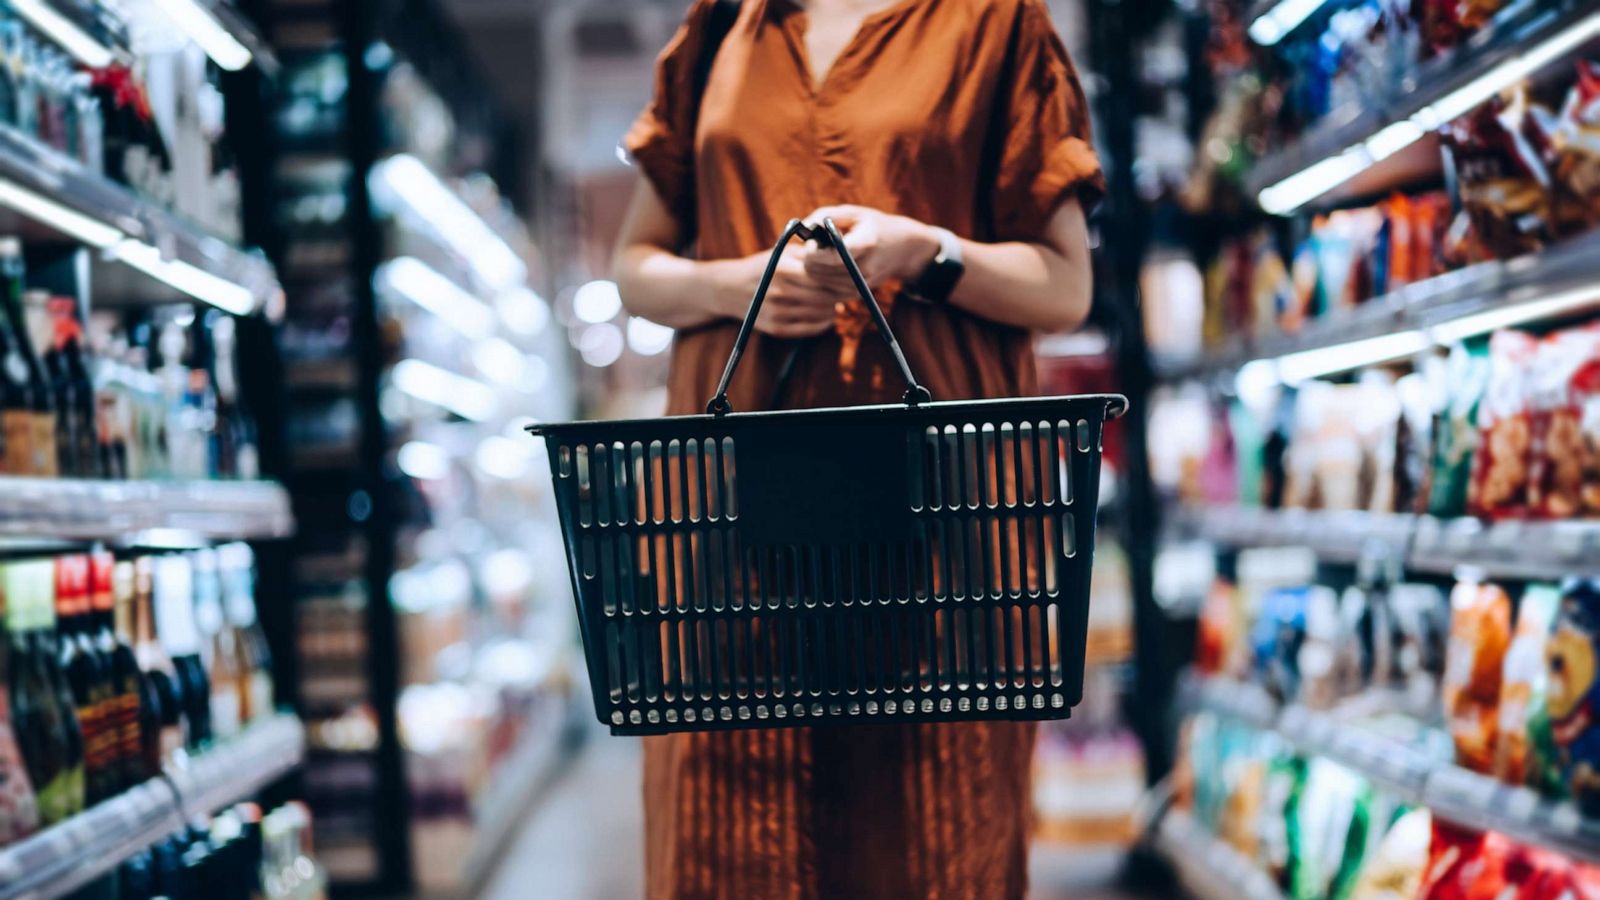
(960, 113)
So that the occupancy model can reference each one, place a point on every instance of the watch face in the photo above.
(939, 281)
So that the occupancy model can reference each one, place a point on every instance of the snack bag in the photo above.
(1572, 694)
(1499, 486)
(1574, 154)
(1465, 865)
(1422, 619)
(1304, 284)
(1522, 681)
(1331, 823)
(1564, 425)
(1271, 290)
(1480, 631)
(1396, 868)
(1504, 187)
(1462, 380)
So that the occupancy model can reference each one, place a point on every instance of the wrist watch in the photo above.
(938, 281)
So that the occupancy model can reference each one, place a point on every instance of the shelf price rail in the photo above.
(59, 860)
(1451, 792)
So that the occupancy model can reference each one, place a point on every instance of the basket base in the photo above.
(647, 729)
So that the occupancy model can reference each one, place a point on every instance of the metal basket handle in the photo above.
(826, 235)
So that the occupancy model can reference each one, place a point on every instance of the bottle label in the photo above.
(128, 738)
(62, 797)
(44, 445)
(16, 427)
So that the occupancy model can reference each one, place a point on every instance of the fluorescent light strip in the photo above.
(411, 182)
(202, 27)
(1515, 314)
(1275, 24)
(1305, 365)
(1318, 179)
(420, 283)
(64, 32)
(181, 276)
(463, 396)
(68, 221)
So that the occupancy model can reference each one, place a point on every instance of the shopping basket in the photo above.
(912, 562)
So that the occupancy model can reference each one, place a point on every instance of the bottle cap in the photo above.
(101, 594)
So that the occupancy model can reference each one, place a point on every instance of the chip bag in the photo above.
(1522, 681)
(1564, 425)
(1572, 694)
(1574, 154)
(1480, 631)
(1499, 487)
(1504, 186)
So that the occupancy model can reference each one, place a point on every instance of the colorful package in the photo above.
(1564, 425)
(1396, 867)
(1461, 382)
(1465, 864)
(1504, 187)
(1522, 681)
(1422, 621)
(1499, 487)
(1572, 693)
(1330, 823)
(1276, 638)
(1575, 154)
(1480, 631)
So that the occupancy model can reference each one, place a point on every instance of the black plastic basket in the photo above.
(917, 562)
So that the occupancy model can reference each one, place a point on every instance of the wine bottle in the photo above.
(175, 625)
(157, 667)
(30, 321)
(61, 786)
(113, 624)
(87, 678)
(219, 649)
(19, 806)
(16, 390)
(76, 431)
(237, 564)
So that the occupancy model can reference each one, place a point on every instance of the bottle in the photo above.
(175, 624)
(124, 714)
(219, 647)
(16, 388)
(113, 407)
(38, 732)
(58, 773)
(76, 432)
(157, 667)
(27, 329)
(19, 806)
(87, 679)
(143, 757)
(236, 561)
(237, 455)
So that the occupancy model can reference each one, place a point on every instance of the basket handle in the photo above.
(828, 234)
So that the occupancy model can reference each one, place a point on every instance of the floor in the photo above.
(584, 841)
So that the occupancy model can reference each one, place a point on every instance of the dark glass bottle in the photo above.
(158, 669)
(58, 773)
(125, 712)
(77, 437)
(86, 677)
(30, 323)
(19, 806)
(16, 390)
(175, 623)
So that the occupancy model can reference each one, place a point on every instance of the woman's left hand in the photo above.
(886, 247)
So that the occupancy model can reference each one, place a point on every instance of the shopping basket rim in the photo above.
(1116, 405)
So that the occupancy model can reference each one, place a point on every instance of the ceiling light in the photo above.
(596, 302)
(1294, 368)
(1510, 315)
(415, 280)
(1276, 23)
(64, 32)
(1302, 187)
(502, 457)
(463, 396)
(423, 461)
(403, 180)
(194, 20)
(181, 276)
(67, 221)
(647, 338)
(500, 361)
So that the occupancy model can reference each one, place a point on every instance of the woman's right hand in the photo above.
(796, 305)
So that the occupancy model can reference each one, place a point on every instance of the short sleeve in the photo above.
(661, 140)
(1046, 156)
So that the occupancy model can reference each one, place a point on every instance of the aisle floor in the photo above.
(584, 840)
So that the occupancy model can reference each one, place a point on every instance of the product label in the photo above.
(16, 428)
(99, 738)
(259, 696)
(126, 727)
(62, 797)
(44, 445)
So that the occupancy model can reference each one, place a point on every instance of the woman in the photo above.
(949, 140)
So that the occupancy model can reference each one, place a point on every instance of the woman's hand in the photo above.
(885, 247)
(797, 305)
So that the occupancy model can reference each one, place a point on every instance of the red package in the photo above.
(1573, 153)
(1504, 186)
(1465, 865)
(1499, 487)
(1564, 425)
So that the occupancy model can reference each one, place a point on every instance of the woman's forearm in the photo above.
(1026, 285)
(666, 288)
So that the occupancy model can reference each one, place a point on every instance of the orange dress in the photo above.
(961, 113)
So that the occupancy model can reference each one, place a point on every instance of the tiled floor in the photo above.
(583, 841)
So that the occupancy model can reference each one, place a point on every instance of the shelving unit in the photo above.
(1206, 866)
(1455, 794)
(59, 860)
(120, 512)
(1508, 549)
(1382, 142)
(1562, 280)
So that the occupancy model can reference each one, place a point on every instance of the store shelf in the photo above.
(1557, 281)
(1452, 793)
(1520, 32)
(47, 195)
(1522, 550)
(142, 511)
(1207, 867)
(59, 860)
